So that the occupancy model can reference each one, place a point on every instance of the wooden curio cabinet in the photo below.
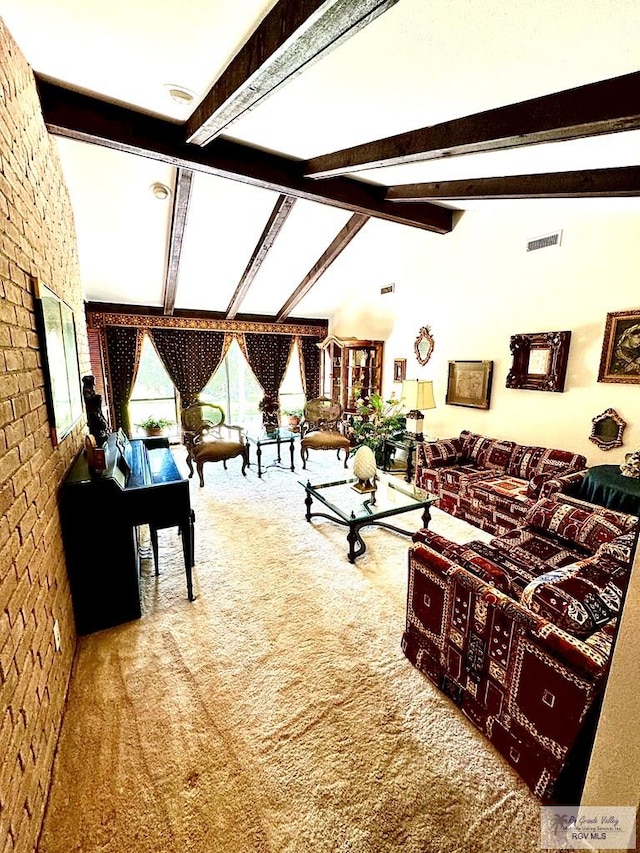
(350, 369)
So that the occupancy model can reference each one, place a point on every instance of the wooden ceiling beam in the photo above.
(595, 183)
(293, 35)
(279, 214)
(88, 119)
(608, 106)
(337, 246)
(181, 198)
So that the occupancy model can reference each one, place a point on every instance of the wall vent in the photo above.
(554, 239)
(388, 289)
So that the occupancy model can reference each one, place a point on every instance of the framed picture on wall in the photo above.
(57, 336)
(620, 359)
(399, 369)
(469, 384)
(539, 361)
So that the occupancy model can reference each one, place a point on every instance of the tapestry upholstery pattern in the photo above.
(492, 483)
(521, 643)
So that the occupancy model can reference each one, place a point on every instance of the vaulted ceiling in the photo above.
(326, 139)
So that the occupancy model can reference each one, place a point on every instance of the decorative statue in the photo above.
(98, 426)
(631, 465)
(270, 408)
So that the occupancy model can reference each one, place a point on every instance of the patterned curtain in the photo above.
(123, 353)
(310, 367)
(190, 357)
(268, 356)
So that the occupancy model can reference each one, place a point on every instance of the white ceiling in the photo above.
(418, 64)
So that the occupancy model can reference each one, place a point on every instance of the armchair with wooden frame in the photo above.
(321, 429)
(208, 438)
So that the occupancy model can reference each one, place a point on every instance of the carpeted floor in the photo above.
(277, 711)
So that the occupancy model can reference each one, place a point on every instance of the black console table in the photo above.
(404, 461)
(606, 486)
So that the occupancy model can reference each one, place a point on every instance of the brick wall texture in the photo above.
(37, 239)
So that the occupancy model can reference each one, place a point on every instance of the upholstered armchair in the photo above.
(321, 429)
(208, 438)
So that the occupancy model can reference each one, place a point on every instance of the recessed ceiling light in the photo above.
(160, 191)
(179, 94)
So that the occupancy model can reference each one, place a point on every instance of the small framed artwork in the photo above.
(539, 361)
(399, 369)
(620, 359)
(469, 383)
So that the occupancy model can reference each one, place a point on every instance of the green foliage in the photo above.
(293, 413)
(376, 420)
(153, 422)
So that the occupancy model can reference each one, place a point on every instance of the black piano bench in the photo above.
(188, 548)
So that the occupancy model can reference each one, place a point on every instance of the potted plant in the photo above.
(294, 416)
(376, 419)
(153, 425)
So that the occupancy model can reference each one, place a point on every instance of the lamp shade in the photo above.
(417, 394)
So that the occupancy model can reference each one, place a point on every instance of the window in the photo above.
(234, 387)
(153, 393)
(291, 393)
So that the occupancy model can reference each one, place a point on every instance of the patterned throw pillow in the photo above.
(440, 453)
(619, 549)
(579, 598)
(535, 485)
(588, 528)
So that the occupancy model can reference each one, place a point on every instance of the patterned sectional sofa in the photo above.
(518, 631)
(493, 483)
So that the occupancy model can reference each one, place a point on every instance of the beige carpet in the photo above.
(277, 711)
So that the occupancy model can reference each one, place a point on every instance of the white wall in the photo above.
(475, 288)
(478, 286)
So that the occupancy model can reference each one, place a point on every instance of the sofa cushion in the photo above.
(541, 550)
(435, 454)
(485, 452)
(579, 598)
(527, 461)
(586, 528)
(619, 549)
(535, 484)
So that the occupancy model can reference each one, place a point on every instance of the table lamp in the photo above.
(417, 395)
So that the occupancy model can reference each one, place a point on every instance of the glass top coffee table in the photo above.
(356, 510)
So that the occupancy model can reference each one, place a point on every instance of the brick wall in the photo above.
(37, 238)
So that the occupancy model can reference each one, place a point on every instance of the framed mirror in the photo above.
(424, 345)
(607, 430)
(539, 361)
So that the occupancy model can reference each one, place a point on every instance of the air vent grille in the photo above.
(388, 289)
(547, 240)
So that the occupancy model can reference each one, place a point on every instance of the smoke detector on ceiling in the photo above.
(179, 94)
(160, 191)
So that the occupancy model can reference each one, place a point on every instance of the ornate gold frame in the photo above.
(423, 345)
